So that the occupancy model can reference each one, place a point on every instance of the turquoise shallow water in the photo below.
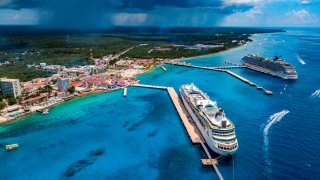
(141, 137)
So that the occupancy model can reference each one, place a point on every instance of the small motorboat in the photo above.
(45, 111)
(11, 146)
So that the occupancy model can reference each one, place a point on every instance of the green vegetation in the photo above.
(71, 90)
(20, 71)
(71, 49)
(6, 99)
(45, 89)
(2, 97)
(2, 105)
(12, 101)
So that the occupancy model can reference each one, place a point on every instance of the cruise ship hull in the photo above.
(269, 71)
(209, 140)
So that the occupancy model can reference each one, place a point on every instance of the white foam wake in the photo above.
(301, 61)
(316, 94)
(273, 119)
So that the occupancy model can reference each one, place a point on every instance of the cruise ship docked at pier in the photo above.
(217, 130)
(275, 67)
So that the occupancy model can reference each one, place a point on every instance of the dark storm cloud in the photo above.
(139, 4)
(149, 4)
(98, 13)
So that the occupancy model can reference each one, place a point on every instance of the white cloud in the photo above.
(301, 18)
(129, 18)
(253, 12)
(246, 18)
(299, 14)
(305, 2)
(22, 16)
(241, 2)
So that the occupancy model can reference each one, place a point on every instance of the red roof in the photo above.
(76, 83)
(32, 99)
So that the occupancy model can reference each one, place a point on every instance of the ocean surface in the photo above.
(140, 136)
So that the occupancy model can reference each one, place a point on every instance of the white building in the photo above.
(10, 87)
(63, 84)
(43, 64)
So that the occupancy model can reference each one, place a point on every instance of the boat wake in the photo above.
(301, 61)
(316, 94)
(273, 119)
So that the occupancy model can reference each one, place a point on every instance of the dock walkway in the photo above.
(192, 130)
(190, 127)
(213, 164)
(224, 69)
(125, 90)
(163, 68)
(150, 86)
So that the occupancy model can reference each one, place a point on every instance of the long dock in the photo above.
(125, 92)
(150, 86)
(163, 68)
(192, 130)
(224, 69)
(213, 164)
(240, 77)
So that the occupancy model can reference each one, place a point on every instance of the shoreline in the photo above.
(26, 114)
(220, 52)
(102, 91)
(207, 55)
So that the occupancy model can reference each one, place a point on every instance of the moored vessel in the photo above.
(11, 146)
(217, 130)
(276, 67)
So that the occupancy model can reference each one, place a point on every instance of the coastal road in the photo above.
(122, 53)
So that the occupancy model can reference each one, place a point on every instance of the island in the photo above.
(40, 67)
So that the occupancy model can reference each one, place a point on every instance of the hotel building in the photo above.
(63, 84)
(10, 87)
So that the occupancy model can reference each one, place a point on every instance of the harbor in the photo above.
(224, 69)
(192, 131)
(109, 128)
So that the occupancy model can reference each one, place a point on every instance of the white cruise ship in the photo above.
(217, 130)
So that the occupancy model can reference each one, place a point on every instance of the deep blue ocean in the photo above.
(140, 136)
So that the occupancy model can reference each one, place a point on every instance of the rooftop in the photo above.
(8, 80)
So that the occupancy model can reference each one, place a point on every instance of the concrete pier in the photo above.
(213, 164)
(224, 69)
(150, 86)
(240, 77)
(191, 128)
(193, 132)
(163, 68)
(125, 92)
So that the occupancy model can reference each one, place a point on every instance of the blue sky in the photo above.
(203, 13)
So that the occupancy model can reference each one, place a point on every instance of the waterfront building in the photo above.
(63, 84)
(43, 64)
(10, 87)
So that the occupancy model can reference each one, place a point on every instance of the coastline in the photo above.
(94, 92)
(212, 54)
